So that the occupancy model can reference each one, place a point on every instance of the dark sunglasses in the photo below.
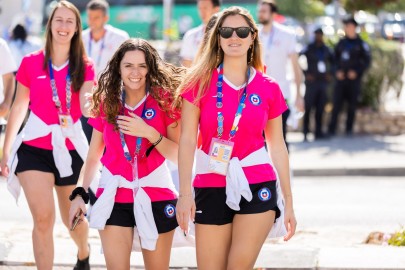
(241, 32)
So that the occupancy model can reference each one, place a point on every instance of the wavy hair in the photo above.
(163, 79)
(77, 54)
(200, 74)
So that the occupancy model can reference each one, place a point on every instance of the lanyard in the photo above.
(138, 139)
(241, 106)
(101, 49)
(55, 96)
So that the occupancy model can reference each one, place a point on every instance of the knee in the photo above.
(239, 263)
(44, 222)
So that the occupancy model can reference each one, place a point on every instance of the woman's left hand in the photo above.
(133, 125)
(290, 222)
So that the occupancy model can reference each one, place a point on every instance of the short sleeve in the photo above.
(292, 42)
(277, 103)
(97, 122)
(23, 72)
(89, 73)
(191, 96)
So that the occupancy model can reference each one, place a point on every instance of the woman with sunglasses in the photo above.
(48, 153)
(237, 196)
(135, 122)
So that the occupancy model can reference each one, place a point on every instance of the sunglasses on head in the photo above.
(241, 32)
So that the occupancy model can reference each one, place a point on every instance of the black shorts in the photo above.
(211, 207)
(38, 159)
(164, 213)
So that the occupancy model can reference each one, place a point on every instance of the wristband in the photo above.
(153, 145)
(79, 191)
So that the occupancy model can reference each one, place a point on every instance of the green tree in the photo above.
(371, 5)
(302, 9)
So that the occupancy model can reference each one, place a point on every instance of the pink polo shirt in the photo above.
(115, 161)
(264, 101)
(32, 75)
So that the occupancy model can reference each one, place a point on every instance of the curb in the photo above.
(395, 171)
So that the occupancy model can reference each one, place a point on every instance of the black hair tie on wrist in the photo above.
(153, 145)
(80, 191)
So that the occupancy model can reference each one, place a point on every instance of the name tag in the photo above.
(66, 123)
(220, 155)
(345, 55)
(321, 67)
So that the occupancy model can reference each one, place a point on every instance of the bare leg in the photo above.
(38, 189)
(117, 246)
(212, 244)
(247, 241)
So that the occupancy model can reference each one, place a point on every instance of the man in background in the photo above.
(279, 47)
(194, 36)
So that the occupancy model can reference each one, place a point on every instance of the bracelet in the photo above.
(80, 191)
(153, 145)
(158, 141)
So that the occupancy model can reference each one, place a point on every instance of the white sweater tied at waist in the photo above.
(101, 211)
(36, 128)
(237, 184)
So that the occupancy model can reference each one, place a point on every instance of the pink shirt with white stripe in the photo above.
(32, 75)
(114, 159)
(264, 101)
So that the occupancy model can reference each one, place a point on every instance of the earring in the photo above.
(251, 55)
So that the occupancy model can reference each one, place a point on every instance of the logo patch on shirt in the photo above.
(264, 194)
(150, 113)
(170, 211)
(255, 99)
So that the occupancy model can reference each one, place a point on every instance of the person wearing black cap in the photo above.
(317, 76)
(353, 57)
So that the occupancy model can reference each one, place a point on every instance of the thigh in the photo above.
(212, 246)
(117, 246)
(38, 189)
(247, 242)
(159, 258)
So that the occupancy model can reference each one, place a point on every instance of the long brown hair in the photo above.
(200, 74)
(77, 54)
(163, 79)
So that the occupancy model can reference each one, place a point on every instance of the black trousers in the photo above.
(315, 97)
(345, 91)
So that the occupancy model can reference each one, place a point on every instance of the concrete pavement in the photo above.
(335, 213)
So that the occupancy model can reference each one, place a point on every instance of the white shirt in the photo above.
(191, 41)
(101, 51)
(20, 49)
(278, 46)
(7, 64)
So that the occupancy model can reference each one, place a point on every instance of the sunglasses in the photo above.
(241, 32)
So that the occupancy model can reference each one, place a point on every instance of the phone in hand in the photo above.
(76, 220)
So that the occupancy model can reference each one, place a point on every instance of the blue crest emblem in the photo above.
(255, 99)
(264, 194)
(149, 114)
(170, 211)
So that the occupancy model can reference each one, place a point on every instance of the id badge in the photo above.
(345, 56)
(66, 123)
(134, 166)
(65, 120)
(220, 155)
(321, 67)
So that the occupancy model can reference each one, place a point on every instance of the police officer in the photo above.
(352, 56)
(317, 76)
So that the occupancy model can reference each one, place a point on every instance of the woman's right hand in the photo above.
(185, 209)
(75, 206)
(4, 167)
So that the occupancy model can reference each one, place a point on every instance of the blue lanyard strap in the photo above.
(101, 49)
(138, 139)
(219, 104)
(55, 96)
